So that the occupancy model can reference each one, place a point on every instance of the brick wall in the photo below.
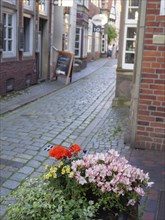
(150, 131)
(21, 74)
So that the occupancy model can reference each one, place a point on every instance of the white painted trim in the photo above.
(30, 52)
(12, 53)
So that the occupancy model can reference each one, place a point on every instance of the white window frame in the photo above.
(28, 4)
(80, 37)
(85, 42)
(162, 7)
(31, 34)
(13, 2)
(79, 2)
(12, 53)
(127, 65)
(127, 9)
(97, 42)
(103, 44)
(96, 2)
(43, 7)
(90, 31)
(129, 23)
(86, 3)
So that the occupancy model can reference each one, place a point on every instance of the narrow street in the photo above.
(79, 113)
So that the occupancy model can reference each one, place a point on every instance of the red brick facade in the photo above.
(19, 70)
(21, 74)
(150, 132)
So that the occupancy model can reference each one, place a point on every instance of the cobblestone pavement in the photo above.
(79, 113)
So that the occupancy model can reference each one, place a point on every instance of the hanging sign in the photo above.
(64, 3)
(97, 28)
(99, 19)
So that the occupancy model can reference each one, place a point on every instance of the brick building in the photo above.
(24, 43)
(148, 96)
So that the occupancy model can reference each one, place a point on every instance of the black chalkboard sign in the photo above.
(64, 65)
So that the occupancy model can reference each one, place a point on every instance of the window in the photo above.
(103, 44)
(97, 42)
(13, 2)
(9, 35)
(86, 3)
(132, 12)
(132, 7)
(28, 36)
(79, 2)
(43, 6)
(112, 16)
(90, 30)
(130, 44)
(162, 7)
(96, 2)
(78, 42)
(85, 41)
(28, 4)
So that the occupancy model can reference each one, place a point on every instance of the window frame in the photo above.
(6, 53)
(79, 42)
(30, 6)
(31, 38)
(12, 2)
(133, 21)
(43, 11)
(85, 43)
(79, 2)
(125, 51)
(162, 7)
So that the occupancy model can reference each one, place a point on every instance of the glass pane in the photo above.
(129, 58)
(9, 45)
(4, 45)
(10, 33)
(9, 20)
(77, 37)
(4, 19)
(130, 45)
(76, 52)
(133, 13)
(133, 2)
(131, 32)
(4, 33)
(77, 30)
(77, 45)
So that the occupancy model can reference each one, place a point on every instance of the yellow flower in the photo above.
(55, 176)
(48, 175)
(53, 169)
(71, 174)
(67, 168)
(46, 166)
(60, 164)
(63, 171)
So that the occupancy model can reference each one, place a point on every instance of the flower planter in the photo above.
(96, 186)
(108, 216)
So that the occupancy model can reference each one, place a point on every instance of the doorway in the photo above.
(42, 49)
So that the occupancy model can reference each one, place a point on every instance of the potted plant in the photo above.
(95, 186)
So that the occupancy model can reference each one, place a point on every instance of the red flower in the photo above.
(75, 148)
(69, 153)
(58, 152)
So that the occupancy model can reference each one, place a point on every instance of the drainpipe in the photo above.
(137, 70)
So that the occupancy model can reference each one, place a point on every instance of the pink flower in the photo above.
(131, 202)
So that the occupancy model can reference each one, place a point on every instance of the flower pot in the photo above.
(102, 215)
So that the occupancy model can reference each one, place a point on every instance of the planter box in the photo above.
(109, 216)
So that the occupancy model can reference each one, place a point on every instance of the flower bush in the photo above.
(82, 188)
